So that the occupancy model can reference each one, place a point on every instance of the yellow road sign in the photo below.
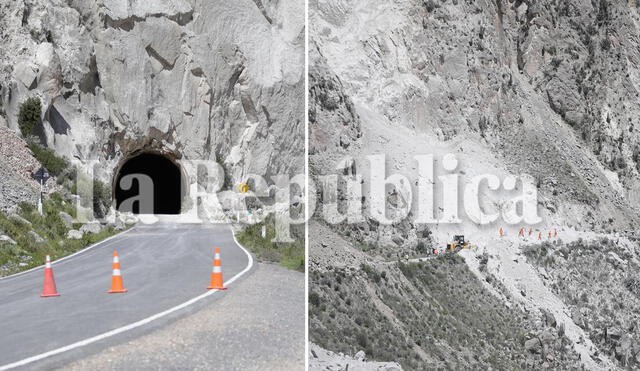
(243, 188)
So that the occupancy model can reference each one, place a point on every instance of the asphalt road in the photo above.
(163, 266)
(257, 326)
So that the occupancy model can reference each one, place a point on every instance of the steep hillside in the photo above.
(542, 90)
(16, 166)
(599, 282)
(423, 315)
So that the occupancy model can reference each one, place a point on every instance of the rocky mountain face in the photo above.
(16, 166)
(544, 88)
(190, 79)
(599, 282)
(320, 359)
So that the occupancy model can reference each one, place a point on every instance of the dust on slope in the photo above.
(502, 259)
(510, 88)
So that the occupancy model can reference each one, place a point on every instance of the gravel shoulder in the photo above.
(257, 325)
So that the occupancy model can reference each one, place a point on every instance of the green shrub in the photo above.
(422, 247)
(371, 272)
(101, 198)
(50, 227)
(289, 255)
(29, 116)
(314, 299)
(55, 165)
(67, 176)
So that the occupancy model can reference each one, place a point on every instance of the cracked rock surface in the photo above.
(544, 89)
(191, 79)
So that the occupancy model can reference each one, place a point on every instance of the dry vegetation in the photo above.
(434, 315)
(598, 280)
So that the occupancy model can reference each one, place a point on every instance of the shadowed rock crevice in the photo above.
(57, 122)
(263, 10)
(128, 23)
(25, 14)
(91, 79)
(154, 54)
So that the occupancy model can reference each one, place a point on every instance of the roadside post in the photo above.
(42, 175)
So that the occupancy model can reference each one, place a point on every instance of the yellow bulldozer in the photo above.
(458, 244)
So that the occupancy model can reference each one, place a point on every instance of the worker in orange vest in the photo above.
(501, 232)
(530, 231)
(521, 233)
(555, 233)
(539, 235)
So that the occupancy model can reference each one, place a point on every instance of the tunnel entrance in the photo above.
(134, 193)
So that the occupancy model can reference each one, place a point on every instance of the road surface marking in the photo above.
(134, 325)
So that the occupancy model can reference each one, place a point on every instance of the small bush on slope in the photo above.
(29, 116)
(55, 165)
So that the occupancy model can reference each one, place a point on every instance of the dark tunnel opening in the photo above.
(151, 173)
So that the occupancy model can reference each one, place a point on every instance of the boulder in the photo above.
(20, 219)
(614, 333)
(547, 337)
(26, 74)
(577, 317)
(361, 356)
(36, 237)
(533, 345)
(5, 238)
(626, 343)
(549, 318)
(92, 227)
(66, 219)
(119, 225)
(74, 234)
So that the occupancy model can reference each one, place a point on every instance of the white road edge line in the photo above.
(69, 256)
(131, 326)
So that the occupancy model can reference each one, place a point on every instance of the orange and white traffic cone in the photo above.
(117, 286)
(216, 275)
(49, 281)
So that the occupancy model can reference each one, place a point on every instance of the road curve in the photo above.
(164, 266)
